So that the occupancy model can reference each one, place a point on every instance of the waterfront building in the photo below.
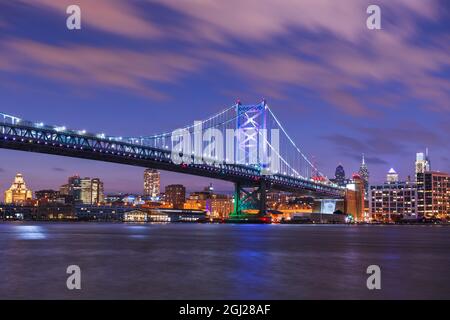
(217, 205)
(152, 181)
(176, 215)
(45, 212)
(355, 198)
(393, 200)
(175, 195)
(135, 216)
(101, 212)
(433, 189)
(18, 192)
(221, 206)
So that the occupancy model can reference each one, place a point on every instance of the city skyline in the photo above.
(192, 186)
(123, 82)
(161, 184)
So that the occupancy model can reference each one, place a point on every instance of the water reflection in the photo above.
(30, 232)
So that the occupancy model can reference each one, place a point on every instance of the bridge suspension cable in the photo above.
(313, 167)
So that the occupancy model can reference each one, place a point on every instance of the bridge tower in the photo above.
(251, 119)
(248, 197)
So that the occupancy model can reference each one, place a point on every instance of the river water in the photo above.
(221, 261)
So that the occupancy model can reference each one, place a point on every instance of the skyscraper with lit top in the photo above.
(422, 162)
(364, 173)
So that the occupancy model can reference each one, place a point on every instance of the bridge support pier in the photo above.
(249, 198)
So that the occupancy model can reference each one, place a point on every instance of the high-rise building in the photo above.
(364, 174)
(340, 175)
(392, 176)
(18, 193)
(152, 181)
(72, 188)
(422, 162)
(175, 195)
(433, 194)
(84, 190)
(97, 191)
(393, 200)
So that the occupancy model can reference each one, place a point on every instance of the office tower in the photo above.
(392, 176)
(72, 188)
(84, 190)
(340, 175)
(97, 191)
(422, 162)
(175, 194)
(18, 193)
(364, 174)
(433, 194)
(152, 181)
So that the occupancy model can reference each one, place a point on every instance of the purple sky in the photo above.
(143, 67)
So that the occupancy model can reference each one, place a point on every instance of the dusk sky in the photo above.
(143, 67)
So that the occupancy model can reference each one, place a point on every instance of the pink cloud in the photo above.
(84, 66)
(117, 17)
(350, 57)
(262, 20)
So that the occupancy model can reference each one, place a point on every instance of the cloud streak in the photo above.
(111, 16)
(330, 51)
(83, 65)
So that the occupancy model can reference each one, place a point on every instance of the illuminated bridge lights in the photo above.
(125, 149)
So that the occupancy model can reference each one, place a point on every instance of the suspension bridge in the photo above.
(256, 153)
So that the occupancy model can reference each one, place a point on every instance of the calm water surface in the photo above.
(190, 261)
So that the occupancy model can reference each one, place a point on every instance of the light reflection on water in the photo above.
(30, 232)
(192, 261)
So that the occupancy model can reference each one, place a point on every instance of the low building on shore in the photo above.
(135, 216)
